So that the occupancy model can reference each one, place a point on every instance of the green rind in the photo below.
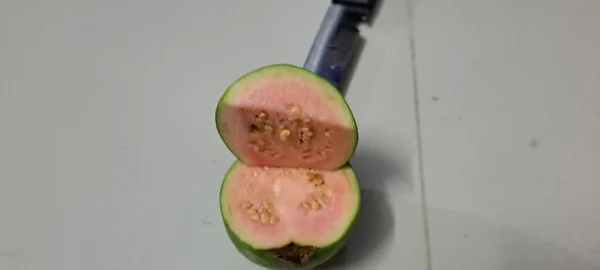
(263, 258)
(234, 87)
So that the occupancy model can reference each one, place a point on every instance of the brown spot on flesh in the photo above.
(254, 128)
(293, 253)
(316, 179)
(296, 123)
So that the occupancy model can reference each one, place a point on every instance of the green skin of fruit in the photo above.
(260, 256)
(264, 258)
(264, 71)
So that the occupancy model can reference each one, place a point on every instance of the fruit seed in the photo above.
(306, 205)
(314, 205)
(274, 220)
(247, 205)
(322, 201)
(264, 217)
(295, 113)
(268, 129)
(284, 134)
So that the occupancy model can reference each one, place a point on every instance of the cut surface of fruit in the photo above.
(286, 116)
(282, 217)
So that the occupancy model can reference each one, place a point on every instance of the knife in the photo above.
(338, 41)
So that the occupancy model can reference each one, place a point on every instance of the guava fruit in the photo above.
(286, 116)
(291, 197)
(284, 218)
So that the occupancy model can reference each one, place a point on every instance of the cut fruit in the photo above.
(286, 116)
(291, 198)
(284, 218)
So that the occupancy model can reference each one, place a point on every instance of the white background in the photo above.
(110, 159)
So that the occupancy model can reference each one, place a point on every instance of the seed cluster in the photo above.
(319, 199)
(261, 212)
(315, 202)
(293, 128)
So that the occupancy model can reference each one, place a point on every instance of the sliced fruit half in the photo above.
(286, 116)
(284, 218)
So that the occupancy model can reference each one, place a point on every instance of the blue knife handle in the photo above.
(335, 44)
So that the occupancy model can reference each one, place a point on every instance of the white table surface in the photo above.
(110, 159)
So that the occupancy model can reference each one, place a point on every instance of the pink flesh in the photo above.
(275, 96)
(287, 192)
